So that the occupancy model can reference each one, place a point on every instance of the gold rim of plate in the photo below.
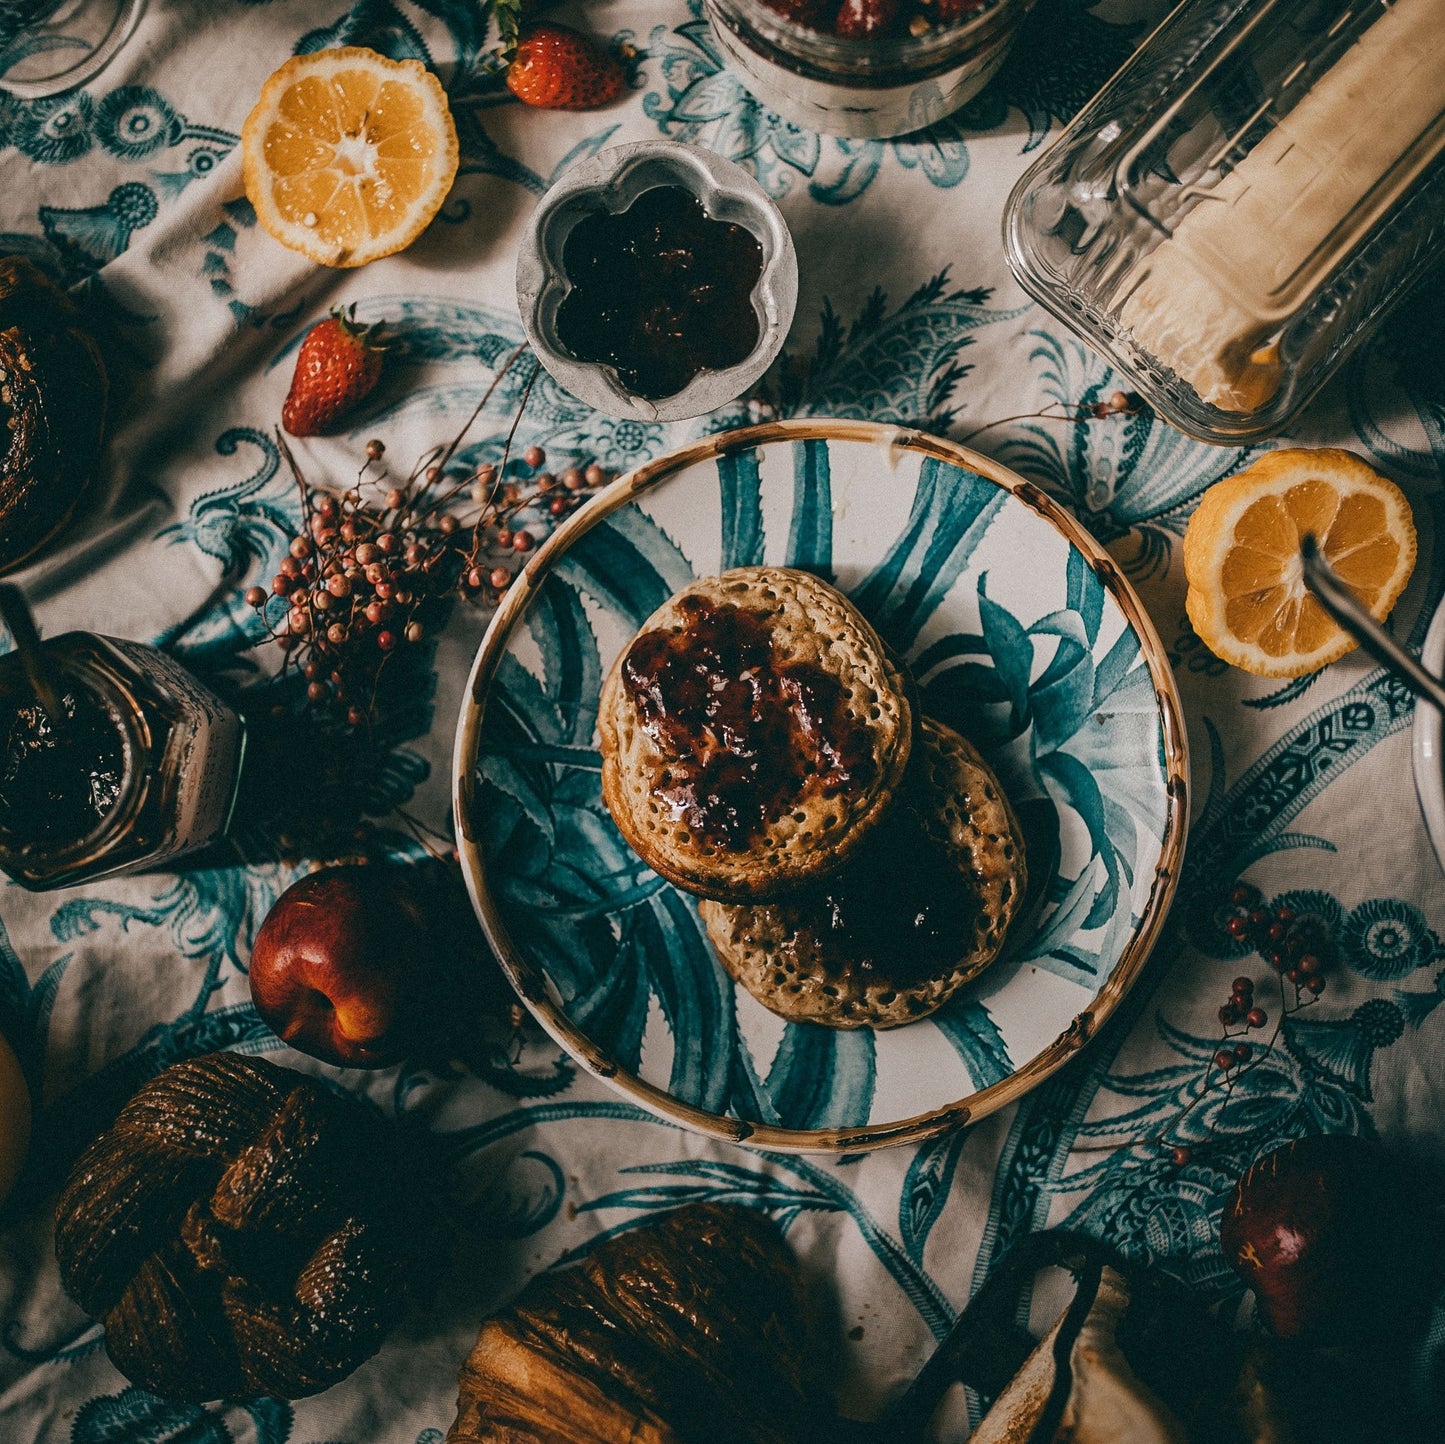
(528, 981)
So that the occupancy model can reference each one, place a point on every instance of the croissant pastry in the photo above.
(234, 1230)
(687, 1331)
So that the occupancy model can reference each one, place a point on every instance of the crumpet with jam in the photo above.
(753, 733)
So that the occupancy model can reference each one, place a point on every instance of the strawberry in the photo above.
(339, 363)
(865, 19)
(559, 69)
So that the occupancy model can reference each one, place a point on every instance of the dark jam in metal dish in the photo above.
(660, 292)
(56, 784)
(744, 737)
(903, 911)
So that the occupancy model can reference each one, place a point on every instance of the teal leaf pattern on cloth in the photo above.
(903, 365)
(925, 1191)
(1135, 477)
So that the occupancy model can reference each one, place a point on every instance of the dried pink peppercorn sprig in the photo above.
(376, 567)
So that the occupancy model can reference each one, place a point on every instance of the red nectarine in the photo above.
(355, 966)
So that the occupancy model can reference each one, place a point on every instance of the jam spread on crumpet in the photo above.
(902, 911)
(660, 292)
(744, 736)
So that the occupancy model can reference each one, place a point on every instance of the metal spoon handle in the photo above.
(15, 613)
(1342, 604)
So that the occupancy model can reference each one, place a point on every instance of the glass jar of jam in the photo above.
(868, 87)
(140, 768)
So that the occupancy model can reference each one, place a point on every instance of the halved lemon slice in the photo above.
(1247, 596)
(348, 155)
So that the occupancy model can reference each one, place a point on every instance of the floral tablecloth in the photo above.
(130, 192)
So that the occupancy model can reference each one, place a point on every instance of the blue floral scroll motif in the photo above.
(902, 365)
(925, 1191)
(132, 123)
(135, 121)
(526, 1197)
(1063, 57)
(95, 235)
(136, 1417)
(244, 527)
(1387, 939)
(1249, 820)
(1318, 1081)
(1121, 476)
(376, 24)
(55, 131)
(706, 104)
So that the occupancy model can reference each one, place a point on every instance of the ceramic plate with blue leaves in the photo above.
(1022, 635)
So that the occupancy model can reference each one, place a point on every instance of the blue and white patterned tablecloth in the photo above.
(131, 190)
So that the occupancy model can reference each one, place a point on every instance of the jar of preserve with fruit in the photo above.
(865, 68)
(131, 764)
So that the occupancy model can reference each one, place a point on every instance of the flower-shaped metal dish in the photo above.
(611, 181)
(1021, 632)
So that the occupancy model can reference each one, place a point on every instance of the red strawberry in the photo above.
(865, 19)
(559, 69)
(338, 364)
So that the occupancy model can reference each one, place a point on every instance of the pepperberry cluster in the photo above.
(376, 567)
(1283, 941)
(1295, 949)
